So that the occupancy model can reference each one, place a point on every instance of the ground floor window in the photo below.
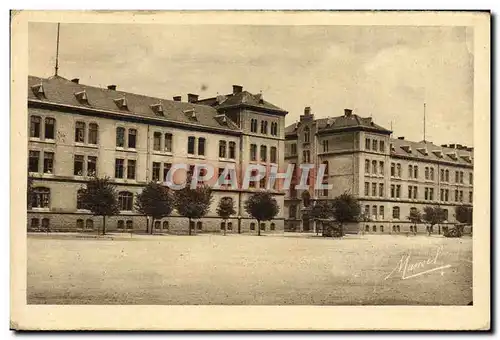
(222, 225)
(157, 224)
(273, 226)
(130, 224)
(374, 228)
(45, 223)
(262, 226)
(165, 225)
(35, 223)
(120, 224)
(79, 224)
(230, 226)
(89, 224)
(381, 228)
(199, 225)
(252, 226)
(367, 228)
(191, 225)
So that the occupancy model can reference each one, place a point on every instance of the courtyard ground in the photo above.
(246, 269)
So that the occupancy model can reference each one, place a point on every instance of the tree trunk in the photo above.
(104, 224)
(189, 226)
(225, 224)
(147, 225)
(258, 227)
(152, 226)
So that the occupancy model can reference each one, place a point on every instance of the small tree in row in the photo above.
(415, 217)
(100, 197)
(345, 209)
(321, 210)
(463, 214)
(225, 209)
(262, 206)
(433, 215)
(154, 201)
(193, 203)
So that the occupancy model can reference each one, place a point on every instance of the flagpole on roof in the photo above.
(57, 49)
(424, 121)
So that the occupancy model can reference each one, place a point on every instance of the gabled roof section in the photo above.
(243, 98)
(61, 91)
(353, 121)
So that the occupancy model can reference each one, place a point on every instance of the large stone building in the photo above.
(389, 176)
(76, 131)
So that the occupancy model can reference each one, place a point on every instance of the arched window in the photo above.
(120, 224)
(367, 228)
(232, 150)
(199, 225)
(130, 225)
(262, 226)
(222, 149)
(50, 128)
(253, 125)
(307, 135)
(80, 132)
(273, 226)
(398, 228)
(165, 225)
(374, 228)
(222, 225)
(120, 137)
(395, 212)
(381, 228)
(40, 197)
(35, 223)
(80, 204)
(125, 200)
(93, 133)
(79, 223)
(157, 224)
(89, 224)
(252, 226)
(230, 226)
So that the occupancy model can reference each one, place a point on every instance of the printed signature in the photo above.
(407, 269)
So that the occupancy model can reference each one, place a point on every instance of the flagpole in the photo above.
(424, 121)
(57, 50)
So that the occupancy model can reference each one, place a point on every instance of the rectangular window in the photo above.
(374, 189)
(120, 137)
(49, 128)
(426, 193)
(132, 138)
(156, 171)
(367, 143)
(410, 171)
(294, 149)
(253, 152)
(367, 189)
(374, 145)
(381, 167)
(426, 173)
(461, 196)
(398, 191)
(442, 194)
(91, 166)
(80, 132)
(461, 177)
(222, 149)
(393, 190)
(35, 123)
(232, 150)
(166, 169)
(431, 194)
(201, 146)
(398, 166)
(456, 195)
(367, 210)
(48, 162)
(442, 175)
(415, 192)
(34, 159)
(119, 163)
(273, 154)
(447, 176)
(382, 146)
(157, 141)
(263, 153)
(78, 165)
(456, 177)
(93, 133)
(470, 178)
(381, 189)
(131, 169)
(251, 183)
(470, 196)
(410, 189)
(262, 183)
(374, 211)
(367, 166)
(191, 141)
(374, 167)
(293, 212)
(325, 146)
(168, 142)
(393, 169)
(431, 173)
(382, 212)
(446, 195)
(415, 172)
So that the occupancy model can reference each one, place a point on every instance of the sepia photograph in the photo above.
(252, 163)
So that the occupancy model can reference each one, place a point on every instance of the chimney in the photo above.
(307, 110)
(452, 146)
(401, 138)
(444, 145)
(75, 80)
(177, 98)
(347, 112)
(237, 89)
(112, 87)
(192, 98)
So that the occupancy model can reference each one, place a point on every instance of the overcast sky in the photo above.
(384, 72)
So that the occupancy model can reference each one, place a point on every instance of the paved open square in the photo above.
(245, 269)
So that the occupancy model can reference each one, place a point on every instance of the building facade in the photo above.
(77, 131)
(389, 176)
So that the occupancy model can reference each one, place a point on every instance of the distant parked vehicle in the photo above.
(455, 231)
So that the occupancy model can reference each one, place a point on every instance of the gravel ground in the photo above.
(245, 269)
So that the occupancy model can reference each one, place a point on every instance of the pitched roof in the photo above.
(425, 150)
(241, 98)
(59, 90)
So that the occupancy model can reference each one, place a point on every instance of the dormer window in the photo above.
(38, 90)
(82, 97)
(121, 103)
(406, 148)
(191, 113)
(259, 98)
(452, 155)
(222, 119)
(157, 108)
(438, 153)
(467, 158)
(423, 151)
(393, 149)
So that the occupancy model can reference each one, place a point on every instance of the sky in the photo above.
(386, 72)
